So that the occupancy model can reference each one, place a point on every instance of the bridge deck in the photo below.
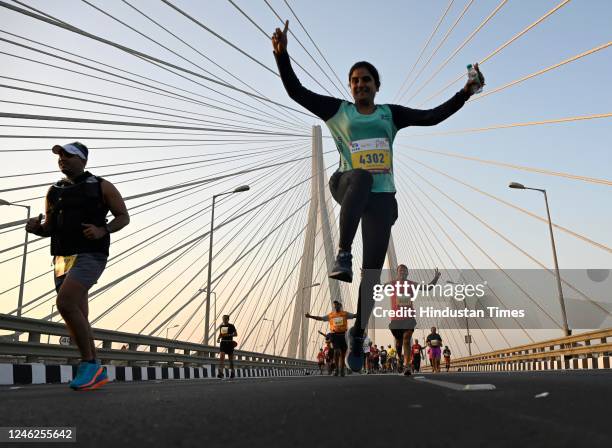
(304, 411)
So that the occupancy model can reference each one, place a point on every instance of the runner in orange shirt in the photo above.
(338, 325)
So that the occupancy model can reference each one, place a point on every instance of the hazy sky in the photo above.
(389, 34)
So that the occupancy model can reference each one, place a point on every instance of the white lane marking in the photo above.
(542, 395)
(456, 386)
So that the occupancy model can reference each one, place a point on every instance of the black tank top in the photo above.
(72, 204)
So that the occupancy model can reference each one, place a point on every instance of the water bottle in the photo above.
(473, 75)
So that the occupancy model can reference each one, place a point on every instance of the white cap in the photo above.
(75, 148)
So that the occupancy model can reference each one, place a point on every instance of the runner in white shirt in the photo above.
(366, 351)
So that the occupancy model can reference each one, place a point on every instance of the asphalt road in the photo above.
(357, 411)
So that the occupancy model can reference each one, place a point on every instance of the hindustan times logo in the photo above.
(412, 291)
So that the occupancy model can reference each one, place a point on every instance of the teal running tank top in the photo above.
(366, 142)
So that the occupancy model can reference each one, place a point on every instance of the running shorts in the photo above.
(435, 352)
(227, 347)
(338, 341)
(87, 269)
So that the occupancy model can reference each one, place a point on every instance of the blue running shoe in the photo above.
(355, 356)
(89, 376)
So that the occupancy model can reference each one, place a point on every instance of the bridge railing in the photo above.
(584, 350)
(141, 349)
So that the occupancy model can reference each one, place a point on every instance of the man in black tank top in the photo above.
(75, 219)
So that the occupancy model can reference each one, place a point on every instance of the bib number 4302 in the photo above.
(367, 159)
(372, 154)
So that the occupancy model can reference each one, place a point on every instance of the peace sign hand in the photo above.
(279, 39)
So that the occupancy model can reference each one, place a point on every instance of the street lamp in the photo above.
(518, 186)
(168, 328)
(210, 237)
(214, 303)
(23, 260)
(468, 338)
(273, 335)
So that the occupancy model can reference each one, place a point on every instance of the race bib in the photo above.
(372, 154)
(435, 342)
(404, 301)
(62, 264)
(338, 321)
(224, 330)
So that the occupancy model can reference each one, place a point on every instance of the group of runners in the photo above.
(77, 206)
(330, 358)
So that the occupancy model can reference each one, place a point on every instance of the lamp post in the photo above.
(210, 237)
(518, 186)
(23, 260)
(468, 338)
(273, 335)
(214, 303)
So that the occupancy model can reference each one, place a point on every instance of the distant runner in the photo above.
(227, 333)
(321, 360)
(434, 342)
(417, 353)
(402, 327)
(338, 324)
(447, 357)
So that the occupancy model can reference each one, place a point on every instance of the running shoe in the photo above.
(342, 373)
(220, 375)
(100, 381)
(407, 371)
(232, 374)
(343, 267)
(89, 376)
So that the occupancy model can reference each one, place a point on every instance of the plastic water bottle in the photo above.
(473, 75)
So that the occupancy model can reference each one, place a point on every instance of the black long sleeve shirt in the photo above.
(325, 107)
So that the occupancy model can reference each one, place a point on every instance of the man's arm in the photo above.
(351, 315)
(37, 227)
(322, 318)
(117, 207)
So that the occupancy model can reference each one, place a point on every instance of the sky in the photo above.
(388, 34)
